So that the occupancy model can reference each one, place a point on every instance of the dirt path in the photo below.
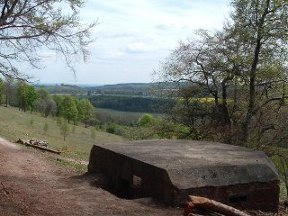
(32, 185)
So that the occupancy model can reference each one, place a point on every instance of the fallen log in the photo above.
(20, 141)
(44, 148)
(203, 203)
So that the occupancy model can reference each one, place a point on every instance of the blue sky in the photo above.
(132, 38)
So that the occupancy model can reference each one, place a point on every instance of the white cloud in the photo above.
(133, 36)
(139, 47)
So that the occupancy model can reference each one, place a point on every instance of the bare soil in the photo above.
(30, 184)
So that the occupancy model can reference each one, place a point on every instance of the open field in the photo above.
(119, 117)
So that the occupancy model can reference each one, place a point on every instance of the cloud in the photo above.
(120, 35)
(134, 36)
(139, 47)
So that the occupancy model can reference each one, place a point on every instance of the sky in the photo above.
(132, 38)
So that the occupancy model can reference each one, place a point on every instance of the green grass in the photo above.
(121, 117)
(15, 124)
(118, 117)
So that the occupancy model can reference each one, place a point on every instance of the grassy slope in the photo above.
(15, 124)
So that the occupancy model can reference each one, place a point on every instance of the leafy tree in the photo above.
(27, 96)
(260, 28)
(29, 26)
(145, 120)
(85, 110)
(22, 95)
(64, 127)
(9, 82)
(69, 109)
(165, 128)
(32, 97)
(46, 104)
(59, 101)
(43, 94)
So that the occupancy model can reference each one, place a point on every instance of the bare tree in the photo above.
(26, 26)
(210, 62)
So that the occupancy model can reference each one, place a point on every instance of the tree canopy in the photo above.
(26, 26)
(85, 110)
(243, 67)
(27, 96)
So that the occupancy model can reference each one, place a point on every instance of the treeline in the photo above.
(28, 98)
(62, 89)
(131, 89)
(157, 89)
(132, 104)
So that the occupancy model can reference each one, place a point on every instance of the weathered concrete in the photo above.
(171, 170)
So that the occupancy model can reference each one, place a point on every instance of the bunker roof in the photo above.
(191, 164)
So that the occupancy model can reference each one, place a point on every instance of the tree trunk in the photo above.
(252, 77)
(225, 111)
(211, 205)
(251, 103)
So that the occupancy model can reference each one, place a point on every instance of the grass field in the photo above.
(15, 124)
(119, 117)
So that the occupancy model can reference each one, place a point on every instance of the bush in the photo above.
(145, 120)
(116, 129)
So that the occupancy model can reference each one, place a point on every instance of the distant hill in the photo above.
(131, 97)
(135, 89)
(62, 89)
(126, 89)
(132, 103)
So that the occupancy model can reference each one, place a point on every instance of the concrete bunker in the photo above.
(170, 170)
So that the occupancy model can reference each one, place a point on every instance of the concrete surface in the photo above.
(194, 164)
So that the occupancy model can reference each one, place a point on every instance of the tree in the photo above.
(22, 91)
(59, 101)
(69, 109)
(9, 82)
(209, 65)
(260, 28)
(46, 105)
(145, 120)
(28, 26)
(242, 67)
(85, 110)
(64, 127)
(27, 96)
(2, 88)
(32, 98)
